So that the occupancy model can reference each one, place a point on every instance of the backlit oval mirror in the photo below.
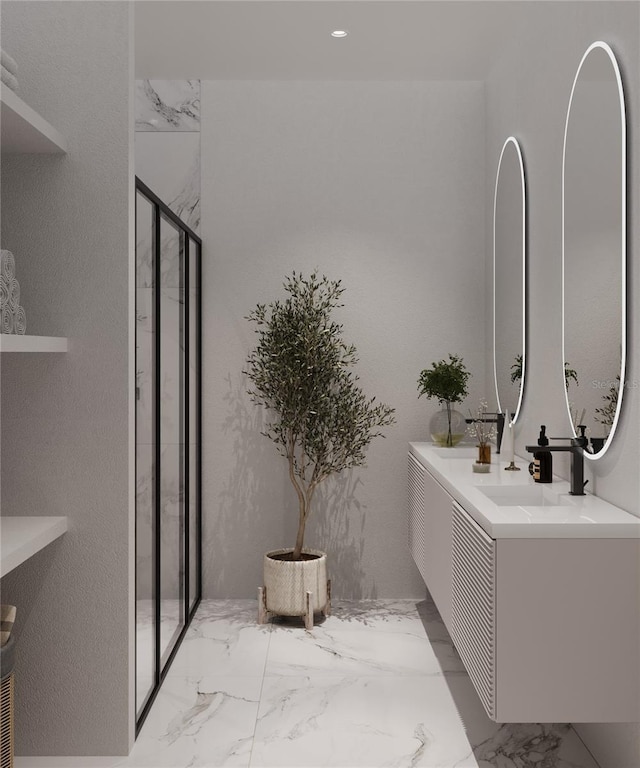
(509, 270)
(594, 248)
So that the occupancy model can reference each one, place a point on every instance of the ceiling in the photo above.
(290, 39)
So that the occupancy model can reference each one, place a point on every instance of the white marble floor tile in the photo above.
(359, 721)
(224, 639)
(233, 610)
(199, 722)
(393, 648)
(514, 745)
(365, 689)
(371, 613)
(371, 722)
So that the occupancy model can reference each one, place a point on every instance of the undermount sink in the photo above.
(526, 496)
(459, 452)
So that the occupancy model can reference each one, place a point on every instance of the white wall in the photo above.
(381, 185)
(527, 96)
(65, 418)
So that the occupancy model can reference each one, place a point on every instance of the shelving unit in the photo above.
(23, 130)
(22, 537)
(15, 343)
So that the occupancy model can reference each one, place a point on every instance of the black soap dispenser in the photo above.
(542, 465)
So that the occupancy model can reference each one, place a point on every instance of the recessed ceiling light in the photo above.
(339, 33)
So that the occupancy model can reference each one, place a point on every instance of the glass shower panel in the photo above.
(167, 387)
(171, 388)
(145, 454)
(194, 421)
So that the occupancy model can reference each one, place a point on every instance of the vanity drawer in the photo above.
(416, 515)
(429, 512)
(473, 604)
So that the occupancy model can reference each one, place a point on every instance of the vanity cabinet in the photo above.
(473, 603)
(547, 627)
(430, 535)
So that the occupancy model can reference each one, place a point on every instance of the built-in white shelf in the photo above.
(23, 130)
(22, 537)
(10, 342)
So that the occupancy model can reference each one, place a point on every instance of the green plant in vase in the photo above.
(446, 382)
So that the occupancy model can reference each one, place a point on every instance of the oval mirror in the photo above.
(594, 248)
(509, 275)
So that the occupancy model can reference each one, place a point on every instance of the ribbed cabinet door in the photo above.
(416, 515)
(473, 604)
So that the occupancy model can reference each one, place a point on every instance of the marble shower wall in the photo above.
(167, 160)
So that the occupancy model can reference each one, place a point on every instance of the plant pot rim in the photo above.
(306, 551)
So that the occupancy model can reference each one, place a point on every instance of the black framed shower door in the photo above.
(168, 439)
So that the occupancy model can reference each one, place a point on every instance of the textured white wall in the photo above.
(65, 417)
(381, 185)
(527, 95)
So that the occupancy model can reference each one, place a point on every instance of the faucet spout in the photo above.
(576, 447)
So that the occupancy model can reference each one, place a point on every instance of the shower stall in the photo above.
(168, 463)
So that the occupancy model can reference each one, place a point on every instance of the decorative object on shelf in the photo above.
(7, 265)
(447, 427)
(20, 321)
(301, 372)
(8, 70)
(14, 318)
(484, 454)
(7, 620)
(483, 431)
(7, 319)
(446, 381)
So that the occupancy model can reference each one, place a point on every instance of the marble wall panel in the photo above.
(169, 164)
(167, 160)
(167, 105)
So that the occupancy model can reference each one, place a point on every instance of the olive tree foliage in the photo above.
(301, 371)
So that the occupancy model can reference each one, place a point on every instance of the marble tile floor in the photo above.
(378, 683)
(171, 621)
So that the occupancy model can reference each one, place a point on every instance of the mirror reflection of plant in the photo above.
(446, 381)
(570, 374)
(479, 428)
(606, 414)
(516, 369)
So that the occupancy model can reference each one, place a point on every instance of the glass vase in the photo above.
(484, 454)
(447, 427)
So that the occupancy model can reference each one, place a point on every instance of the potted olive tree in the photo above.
(321, 422)
(446, 381)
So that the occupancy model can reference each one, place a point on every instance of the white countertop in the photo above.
(22, 537)
(562, 516)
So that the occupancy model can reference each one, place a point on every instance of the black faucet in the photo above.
(499, 421)
(577, 447)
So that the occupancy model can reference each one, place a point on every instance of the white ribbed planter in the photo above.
(295, 587)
